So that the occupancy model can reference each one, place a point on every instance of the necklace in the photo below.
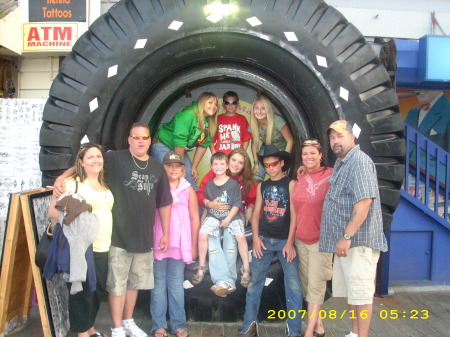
(142, 168)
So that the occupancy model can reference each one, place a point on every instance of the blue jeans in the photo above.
(259, 268)
(158, 150)
(222, 261)
(169, 277)
(262, 172)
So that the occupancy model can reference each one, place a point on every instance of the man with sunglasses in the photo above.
(232, 128)
(352, 226)
(140, 187)
(274, 233)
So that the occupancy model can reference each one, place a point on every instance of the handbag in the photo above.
(43, 247)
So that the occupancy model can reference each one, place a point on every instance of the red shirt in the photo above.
(308, 196)
(232, 133)
(247, 200)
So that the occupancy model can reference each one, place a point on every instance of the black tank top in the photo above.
(276, 208)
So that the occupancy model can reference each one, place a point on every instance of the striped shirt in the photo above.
(354, 179)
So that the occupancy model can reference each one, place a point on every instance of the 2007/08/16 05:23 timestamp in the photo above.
(350, 314)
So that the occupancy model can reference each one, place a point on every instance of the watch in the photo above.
(347, 236)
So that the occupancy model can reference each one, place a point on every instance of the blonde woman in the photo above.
(267, 128)
(189, 129)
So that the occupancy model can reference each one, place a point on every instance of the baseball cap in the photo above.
(172, 157)
(340, 126)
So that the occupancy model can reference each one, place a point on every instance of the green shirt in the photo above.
(182, 130)
(277, 137)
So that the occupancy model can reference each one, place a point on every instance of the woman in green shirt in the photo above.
(190, 128)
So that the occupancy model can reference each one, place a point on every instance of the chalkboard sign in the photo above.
(55, 291)
(27, 220)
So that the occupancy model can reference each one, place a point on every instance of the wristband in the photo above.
(206, 202)
(256, 162)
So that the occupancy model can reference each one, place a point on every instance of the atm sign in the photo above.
(49, 36)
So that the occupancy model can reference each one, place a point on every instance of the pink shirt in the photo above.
(180, 238)
(308, 196)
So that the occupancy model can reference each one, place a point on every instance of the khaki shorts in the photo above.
(129, 271)
(354, 275)
(315, 270)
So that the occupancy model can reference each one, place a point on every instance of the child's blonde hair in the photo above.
(254, 125)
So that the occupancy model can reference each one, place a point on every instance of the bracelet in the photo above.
(206, 202)
(256, 162)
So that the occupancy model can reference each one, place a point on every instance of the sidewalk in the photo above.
(408, 312)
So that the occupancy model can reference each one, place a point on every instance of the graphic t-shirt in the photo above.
(276, 208)
(229, 192)
(137, 193)
(232, 133)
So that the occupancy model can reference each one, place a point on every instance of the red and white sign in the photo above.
(48, 36)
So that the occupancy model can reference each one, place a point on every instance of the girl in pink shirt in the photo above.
(168, 268)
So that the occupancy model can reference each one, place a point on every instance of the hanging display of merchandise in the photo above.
(19, 155)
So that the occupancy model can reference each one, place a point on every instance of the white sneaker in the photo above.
(351, 334)
(118, 332)
(132, 330)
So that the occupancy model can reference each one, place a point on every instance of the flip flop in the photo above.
(162, 333)
(181, 333)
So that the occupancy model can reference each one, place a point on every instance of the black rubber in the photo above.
(353, 85)
(149, 79)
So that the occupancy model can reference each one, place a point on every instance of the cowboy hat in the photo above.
(272, 151)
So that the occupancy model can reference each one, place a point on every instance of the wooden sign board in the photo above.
(26, 223)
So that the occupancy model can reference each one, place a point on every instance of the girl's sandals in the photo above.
(196, 279)
(181, 333)
(245, 280)
(160, 333)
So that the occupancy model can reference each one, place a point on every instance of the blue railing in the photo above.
(429, 181)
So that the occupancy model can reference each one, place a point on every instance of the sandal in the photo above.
(245, 280)
(97, 334)
(181, 333)
(160, 333)
(196, 279)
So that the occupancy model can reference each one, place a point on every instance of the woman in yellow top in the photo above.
(88, 182)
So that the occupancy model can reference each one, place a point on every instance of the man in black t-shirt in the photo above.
(274, 233)
(140, 187)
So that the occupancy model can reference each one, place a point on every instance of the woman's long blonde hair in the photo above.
(246, 176)
(80, 173)
(204, 96)
(254, 125)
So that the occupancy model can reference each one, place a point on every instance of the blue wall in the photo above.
(419, 247)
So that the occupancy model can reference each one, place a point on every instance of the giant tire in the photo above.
(330, 73)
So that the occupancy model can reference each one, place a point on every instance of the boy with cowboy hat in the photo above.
(274, 233)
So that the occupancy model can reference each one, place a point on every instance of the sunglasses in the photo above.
(231, 102)
(273, 164)
(311, 142)
(137, 137)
